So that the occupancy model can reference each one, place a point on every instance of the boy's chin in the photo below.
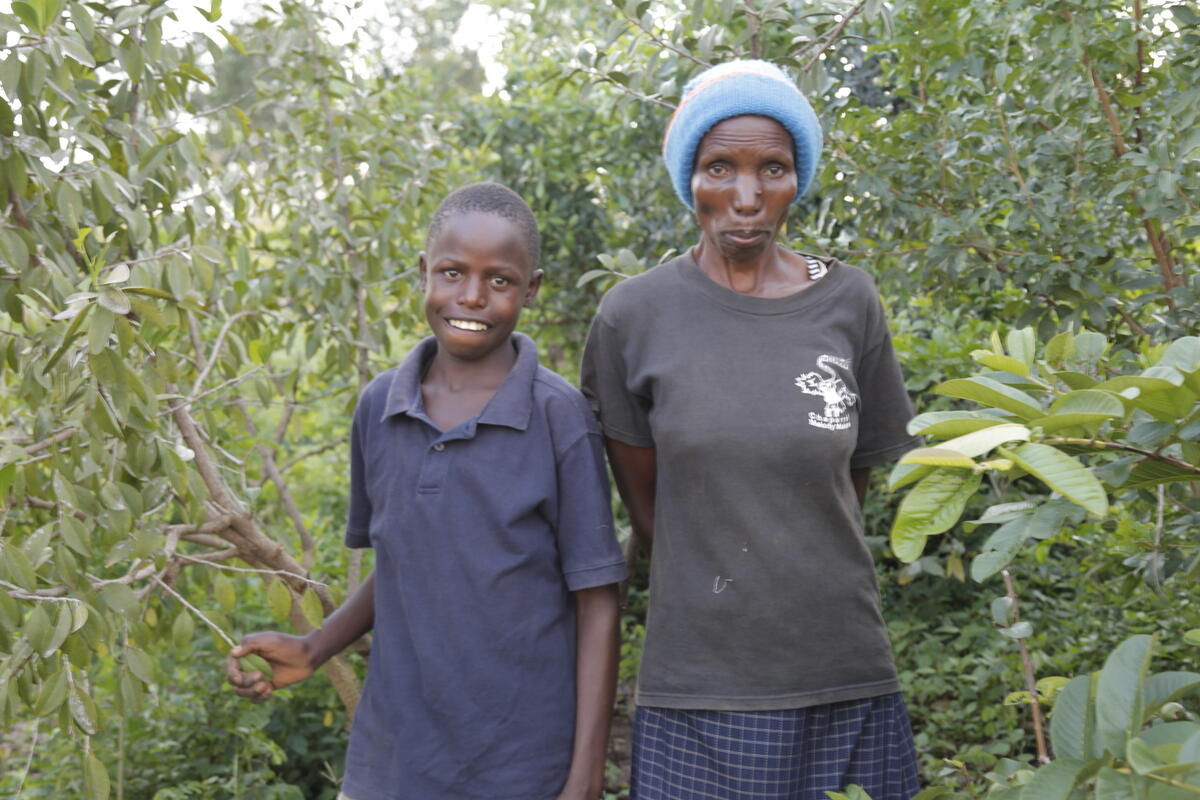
(472, 346)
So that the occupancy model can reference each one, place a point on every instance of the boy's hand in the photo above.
(289, 658)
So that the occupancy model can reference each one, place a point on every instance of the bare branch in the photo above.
(216, 348)
(208, 558)
(195, 611)
(664, 43)
(1030, 679)
(61, 436)
(826, 39)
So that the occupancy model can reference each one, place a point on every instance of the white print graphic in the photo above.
(832, 389)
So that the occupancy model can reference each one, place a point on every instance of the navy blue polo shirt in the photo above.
(480, 533)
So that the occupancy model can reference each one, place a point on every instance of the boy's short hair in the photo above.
(488, 197)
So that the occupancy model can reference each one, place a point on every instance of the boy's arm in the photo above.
(635, 470)
(294, 658)
(595, 686)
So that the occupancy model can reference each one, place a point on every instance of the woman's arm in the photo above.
(294, 658)
(861, 478)
(595, 686)
(636, 472)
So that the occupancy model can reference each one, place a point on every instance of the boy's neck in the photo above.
(454, 390)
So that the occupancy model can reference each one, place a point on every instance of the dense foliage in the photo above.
(208, 247)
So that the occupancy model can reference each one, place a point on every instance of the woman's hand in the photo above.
(289, 657)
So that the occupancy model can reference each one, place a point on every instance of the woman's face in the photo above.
(743, 183)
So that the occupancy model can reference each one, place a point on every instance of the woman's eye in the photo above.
(717, 169)
(775, 170)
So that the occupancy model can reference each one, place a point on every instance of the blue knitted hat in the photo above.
(731, 90)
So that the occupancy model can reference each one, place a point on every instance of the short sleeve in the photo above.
(885, 406)
(587, 544)
(624, 415)
(358, 524)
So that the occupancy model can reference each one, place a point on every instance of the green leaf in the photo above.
(114, 300)
(1140, 757)
(937, 457)
(224, 592)
(1055, 780)
(991, 393)
(984, 441)
(1060, 348)
(1022, 345)
(1120, 692)
(1192, 636)
(1151, 473)
(1063, 474)
(932, 507)
(279, 599)
(948, 424)
(76, 49)
(1073, 722)
(310, 604)
(1086, 408)
(139, 664)
(83, 710)
(121, 599)
(1000, 548)
(1001, 363)
(95, 778)
(52, 694)
(1165, 687)
(182, 630)
(1000, 513)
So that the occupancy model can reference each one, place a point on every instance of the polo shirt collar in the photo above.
(511, 406)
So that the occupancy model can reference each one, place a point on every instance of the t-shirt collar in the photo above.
(511, 406)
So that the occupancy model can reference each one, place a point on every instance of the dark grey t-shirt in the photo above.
(763, 592)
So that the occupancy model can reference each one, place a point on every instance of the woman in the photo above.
(746, 391)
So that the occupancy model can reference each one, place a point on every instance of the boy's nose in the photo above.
(473, 293)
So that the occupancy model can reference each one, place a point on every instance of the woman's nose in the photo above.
(747, 194)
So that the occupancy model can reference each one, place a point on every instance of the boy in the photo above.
(478, 477)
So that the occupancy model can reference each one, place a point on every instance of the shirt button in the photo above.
(439, 447)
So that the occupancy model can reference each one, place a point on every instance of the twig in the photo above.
(37, 722)
(312, 452)
(663, 42)
(195, 611)
(216, 348)
(208, 561)
(1030, 680)
(61, 436)
(830, 36)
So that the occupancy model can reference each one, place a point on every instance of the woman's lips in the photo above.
(745, 238)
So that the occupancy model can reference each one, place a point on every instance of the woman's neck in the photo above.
(773, 273)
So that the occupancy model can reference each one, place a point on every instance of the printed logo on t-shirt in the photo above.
(832, 389)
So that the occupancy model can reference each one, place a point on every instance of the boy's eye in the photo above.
(451, 272)
(500, 281)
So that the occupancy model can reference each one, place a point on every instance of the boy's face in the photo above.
(477, 277)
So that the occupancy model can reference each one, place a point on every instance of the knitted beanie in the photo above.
(730, 90)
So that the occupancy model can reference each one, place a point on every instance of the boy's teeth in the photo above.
(468, 325)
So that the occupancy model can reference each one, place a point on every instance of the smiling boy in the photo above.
(478, 478)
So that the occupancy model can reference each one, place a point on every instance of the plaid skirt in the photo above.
(794, 754)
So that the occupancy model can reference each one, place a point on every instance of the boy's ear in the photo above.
(422, 270)
(535, 283)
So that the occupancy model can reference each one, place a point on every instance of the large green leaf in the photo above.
(992, 393)
(978, 443)
(1056, 780)
(1063, 474)
(1151, 473)
(1086, 408)
(903, 474)
(1073, 722)
(1164, 687)
(1120, 692)
(948, 424)
(930, 508)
